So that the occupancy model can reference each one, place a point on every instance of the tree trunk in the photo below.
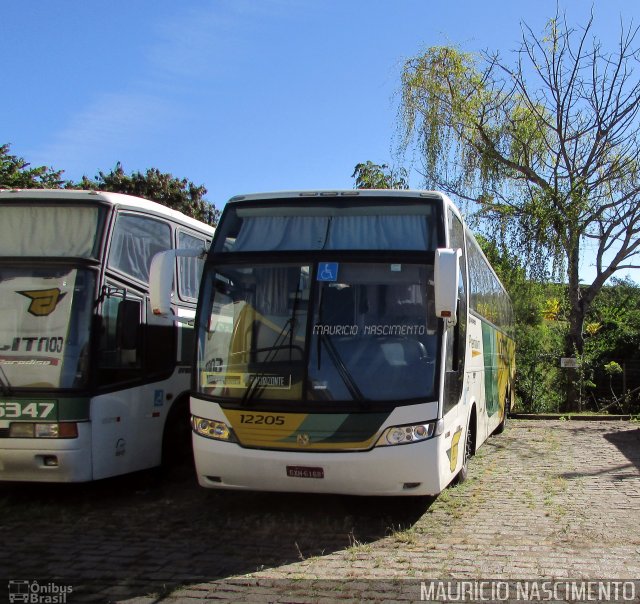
(575, 340)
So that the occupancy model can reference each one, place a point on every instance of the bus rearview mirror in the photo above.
(161, 280)
(446, 278)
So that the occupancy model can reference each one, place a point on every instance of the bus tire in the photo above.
(177, 450)
(507, 408)
(469, 449)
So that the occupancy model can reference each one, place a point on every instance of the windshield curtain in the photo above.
(372, 333)
(44, 327)
(285, 233)
(50, 230)
(389, 224)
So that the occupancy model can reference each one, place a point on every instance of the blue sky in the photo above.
(238, 95)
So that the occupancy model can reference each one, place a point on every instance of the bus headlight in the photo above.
(210, 428)
(403, 435)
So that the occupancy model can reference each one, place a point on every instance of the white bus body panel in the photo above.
(127, 430)
(23, 458)
(375, 472)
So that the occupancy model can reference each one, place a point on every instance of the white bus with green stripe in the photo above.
(353, 342)
(92, 384)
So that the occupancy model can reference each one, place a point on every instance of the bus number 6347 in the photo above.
(16, 410)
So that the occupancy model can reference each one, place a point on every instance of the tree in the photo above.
(612, 331)
(538, 341)
(374, 176)
(16, 173)
(547, 146)
(179, 194)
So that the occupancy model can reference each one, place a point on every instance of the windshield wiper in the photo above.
(288, 330)
(4, 383)
(253, 387)
(344, 373)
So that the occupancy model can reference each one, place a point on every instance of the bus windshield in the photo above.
(29, 230)
(44, 327)
(318, 332)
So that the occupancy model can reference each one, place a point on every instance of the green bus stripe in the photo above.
(358, 427)
(490, 369)
(65, 409)
(339, 427)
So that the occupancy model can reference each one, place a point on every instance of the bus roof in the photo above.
(338, 193)
(328, 194)
(120, 200)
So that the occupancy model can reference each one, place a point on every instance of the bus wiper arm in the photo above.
(345, 375)
(253, 386)
(288, 329)
(4, 382)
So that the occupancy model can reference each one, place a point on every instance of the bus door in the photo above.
(455, 405)
(123, 415)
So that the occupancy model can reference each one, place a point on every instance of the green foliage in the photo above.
(614, 346)
(539, 377)
(16, 173)
(617, 311)
(612, 368)
(379, 176)
(179, 194)
(539, 342)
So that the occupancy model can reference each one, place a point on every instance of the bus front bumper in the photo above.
(384, 471)
(46, 460)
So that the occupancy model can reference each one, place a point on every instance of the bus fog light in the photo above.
(211, 428)
(21, 430)
(50, 461)
(400, 435)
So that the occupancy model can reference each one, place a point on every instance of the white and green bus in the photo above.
(353, 342)
(92, 384)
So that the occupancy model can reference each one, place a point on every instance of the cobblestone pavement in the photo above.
(546, 499)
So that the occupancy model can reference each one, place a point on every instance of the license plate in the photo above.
(305, 472)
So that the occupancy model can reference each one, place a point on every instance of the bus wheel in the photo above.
(507, 409)
(467, 452)
(176, 441)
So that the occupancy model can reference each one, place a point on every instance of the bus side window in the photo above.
(136, 240)
(119, 357)
(160, 344)
(456, 336)
(189, 269)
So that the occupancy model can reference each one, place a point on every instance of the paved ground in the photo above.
(546, 499)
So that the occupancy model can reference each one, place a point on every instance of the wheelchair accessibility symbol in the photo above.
(328, 271)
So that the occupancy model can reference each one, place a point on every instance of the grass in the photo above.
(408, 536)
